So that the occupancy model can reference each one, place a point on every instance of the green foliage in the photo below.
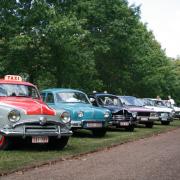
(89, 45)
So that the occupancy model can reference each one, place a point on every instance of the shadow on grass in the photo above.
(82, 134)
(121, 130)
(87, 134)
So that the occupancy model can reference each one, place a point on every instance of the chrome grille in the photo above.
(164, 114)
(121, 117)
(31, 129)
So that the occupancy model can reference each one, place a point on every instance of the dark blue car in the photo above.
(121, 117)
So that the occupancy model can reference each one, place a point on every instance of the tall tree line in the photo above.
(89, 45)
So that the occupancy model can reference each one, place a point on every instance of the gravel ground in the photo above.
(155, 158)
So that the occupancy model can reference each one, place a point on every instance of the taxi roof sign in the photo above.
(12, 78)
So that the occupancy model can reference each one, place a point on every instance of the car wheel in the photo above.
(55, 143)
(130, 128)
(99, 132)
(149, 125)
(165, 122)
(4, 143)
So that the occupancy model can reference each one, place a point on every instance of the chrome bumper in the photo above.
(11, 132)
(147, 118)
(118, 122)
(25, 129)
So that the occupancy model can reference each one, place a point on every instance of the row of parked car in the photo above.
(51, 116)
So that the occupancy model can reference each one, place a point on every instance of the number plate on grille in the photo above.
(92, 125)
(40, 139)
(144, 119)
(124, 123)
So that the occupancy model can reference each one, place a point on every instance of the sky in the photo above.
(163, 18)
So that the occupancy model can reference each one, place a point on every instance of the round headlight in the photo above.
(14, 116)
(154, 114)
(134, 114)
(106, 114)
(80, 114)
(65, 116)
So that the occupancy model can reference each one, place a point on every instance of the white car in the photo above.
(174, 107)
(165, 114)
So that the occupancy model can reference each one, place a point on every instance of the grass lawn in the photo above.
(81, 142)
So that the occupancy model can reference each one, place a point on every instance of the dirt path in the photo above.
(155, 158)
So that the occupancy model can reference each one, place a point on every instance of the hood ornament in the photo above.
(42, 120)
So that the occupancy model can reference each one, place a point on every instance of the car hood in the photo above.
(114, 109)
(90, 112)
(27, 105)
(159, 109)
(138, 109)
(176, 108)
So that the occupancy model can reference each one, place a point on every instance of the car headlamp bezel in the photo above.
(134, 114)
(14, 116)
(106, 114)
(65, 117)
(153, 114)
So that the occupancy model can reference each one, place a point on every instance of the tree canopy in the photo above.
(90, 45)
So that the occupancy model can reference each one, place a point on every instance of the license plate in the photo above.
(37, 139)
(164, 119)
(124, 123)
(144, 119)
(92, 125)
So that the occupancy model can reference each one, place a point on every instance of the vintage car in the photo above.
(83, 114)
(144, 115)
(174, 107)
(24, 116)
(165, 114)
(121, 117)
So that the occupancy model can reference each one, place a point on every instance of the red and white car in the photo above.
(24, 116)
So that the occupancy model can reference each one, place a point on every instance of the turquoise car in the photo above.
(83, 114)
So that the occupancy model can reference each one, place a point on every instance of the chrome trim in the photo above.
(59, 132)
(36, 121)
(153, 118)
(11, 132)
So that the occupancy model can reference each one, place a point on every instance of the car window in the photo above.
(107, 100)
(93, 101)
(72, 97)
(50, 98)
(43, 95)
(19, 90)
(131, 101)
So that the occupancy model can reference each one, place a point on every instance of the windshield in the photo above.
(109, 101)
(19, 90)
(159, 103)
(149, 102)
(168, 104)
(72, 97)
(131, 101)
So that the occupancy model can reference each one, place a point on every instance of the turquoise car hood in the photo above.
(90, 112)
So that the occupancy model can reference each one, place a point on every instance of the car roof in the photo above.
(61, 90)
(2, 81)
(127, 96)
(101, 94)
(155, 99)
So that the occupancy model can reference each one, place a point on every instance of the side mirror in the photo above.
(91, 100)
